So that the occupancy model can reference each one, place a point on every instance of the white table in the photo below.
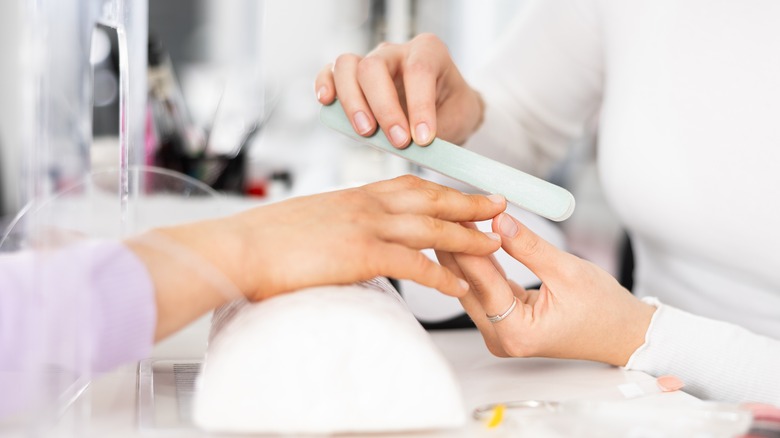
(484, 379)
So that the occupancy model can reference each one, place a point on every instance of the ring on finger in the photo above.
(496, 318)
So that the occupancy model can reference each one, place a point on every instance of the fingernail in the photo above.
(463, 284)
(321, 92)
(506, 225)
(669, 383)
(494, 236)
(362, 123)
(497, 199)
(422, 133)
(398, 135)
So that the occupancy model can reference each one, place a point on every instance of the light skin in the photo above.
(580, 312)
(417, 78)
(332, 238)
(415, 91)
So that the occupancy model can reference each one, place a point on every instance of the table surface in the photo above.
(483, 377)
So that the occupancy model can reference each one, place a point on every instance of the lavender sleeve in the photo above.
(85, 308)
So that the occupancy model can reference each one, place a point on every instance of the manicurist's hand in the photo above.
(331, 238)
(580, 312)
(412, 90)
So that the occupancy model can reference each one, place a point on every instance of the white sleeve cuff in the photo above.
(715, 359)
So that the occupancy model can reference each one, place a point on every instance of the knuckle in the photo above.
(369, 64)
(531, 246)
(421, 264)
(409, 181)
(431, 195)
(345, 60)
(427, 38)
(434, 226)
(383, 46)
(419, 68)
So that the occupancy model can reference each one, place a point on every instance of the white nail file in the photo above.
(524, 190)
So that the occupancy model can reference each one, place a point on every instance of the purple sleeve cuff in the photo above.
(124, 310)
(87, 307)
(74, 311)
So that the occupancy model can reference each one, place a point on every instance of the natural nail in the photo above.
(494, 236)
(362, 123)
(463, 284)
(497, 199)
(422, 133)
(321, 92)
(398, 135)
(506, 225)
(669, 383)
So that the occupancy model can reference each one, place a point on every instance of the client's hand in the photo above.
(580, 312)
(331, 238)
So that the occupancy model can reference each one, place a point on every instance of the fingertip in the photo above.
(324, 95)
(464, 285)
(423, 134)
(497, 199)
(505, 225)
(363, 124)
(398, 136)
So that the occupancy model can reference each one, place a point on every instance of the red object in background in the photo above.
(258, 188)
(766, 421)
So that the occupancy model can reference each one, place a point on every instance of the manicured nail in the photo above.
(506, 225)
(669, 383)
(422, 133)
(362, 123)
(463, 284)
(494, 236)
(496, 199)
(321, 92)
(398, 135)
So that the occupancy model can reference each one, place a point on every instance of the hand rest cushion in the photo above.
(324, 360)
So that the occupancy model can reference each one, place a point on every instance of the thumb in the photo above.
(525, 246)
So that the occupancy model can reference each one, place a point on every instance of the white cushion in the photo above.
(325, 360)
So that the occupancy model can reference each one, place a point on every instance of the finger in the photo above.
(422, 70)
(541, 257)
(473, 307)
(324, 86)
(398, 261)
(421, 232)
(402, 182)
(491, 257)
(522, 293)
(497, 298)
(452, 205)
(487, 283)
(351, 96)
(375, 76)
(445, 203)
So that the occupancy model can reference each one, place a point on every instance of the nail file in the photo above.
(524, 190)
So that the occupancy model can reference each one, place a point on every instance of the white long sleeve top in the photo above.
(687, 95)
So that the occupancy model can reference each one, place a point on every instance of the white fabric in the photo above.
(688, 101)
(321, 361)
(728, 361)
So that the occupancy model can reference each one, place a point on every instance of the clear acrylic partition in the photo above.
(66, 201)
(56, 134)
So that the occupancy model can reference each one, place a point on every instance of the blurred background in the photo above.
(230, 98)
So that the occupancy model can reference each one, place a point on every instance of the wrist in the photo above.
(188, 280)
(635, 333)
